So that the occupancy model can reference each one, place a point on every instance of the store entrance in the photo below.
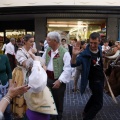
(16, 28)
(77, 28)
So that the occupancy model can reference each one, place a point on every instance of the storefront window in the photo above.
(31, 32)
(77, 28)
(17, 34)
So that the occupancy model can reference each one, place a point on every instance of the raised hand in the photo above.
(14, 91)
(31, 54)
(33, 50)
(76, 49)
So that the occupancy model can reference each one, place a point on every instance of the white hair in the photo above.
(54, 36)
(12, 39)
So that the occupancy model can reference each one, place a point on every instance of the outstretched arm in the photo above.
(12, 92)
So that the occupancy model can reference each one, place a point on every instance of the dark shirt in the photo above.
(96, 69)
(5, 70)
(41, 49)
(70, 49)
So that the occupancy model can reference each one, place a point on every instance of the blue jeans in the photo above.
(7, 113)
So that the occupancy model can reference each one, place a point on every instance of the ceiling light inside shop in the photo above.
(55, 25)
(97, 30)
(76, 26)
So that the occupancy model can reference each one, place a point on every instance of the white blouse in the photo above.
(38, 77)
(22, 55)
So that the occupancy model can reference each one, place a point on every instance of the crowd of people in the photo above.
(33, 82)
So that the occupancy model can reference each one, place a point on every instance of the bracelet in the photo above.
(8, 96)
(7, 99)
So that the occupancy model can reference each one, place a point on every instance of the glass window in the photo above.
(31, 32)
(17, 34)
(77, 28)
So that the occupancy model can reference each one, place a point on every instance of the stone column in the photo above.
(40, 30)
(112, 29)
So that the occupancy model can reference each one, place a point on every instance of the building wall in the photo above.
(40, 20)
(112, 28)
(40, 30)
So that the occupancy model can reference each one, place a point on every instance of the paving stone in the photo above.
(74, 104)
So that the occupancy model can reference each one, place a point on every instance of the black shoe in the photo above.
(59, 117)
(86, 118)
(53, 117)
(83, 115)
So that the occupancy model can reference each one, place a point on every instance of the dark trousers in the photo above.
(95, 102)
(12, 61)
(58, 95)
(7, 113)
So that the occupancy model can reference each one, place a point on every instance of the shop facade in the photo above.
(71, 21)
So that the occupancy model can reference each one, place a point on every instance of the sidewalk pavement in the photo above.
(74, 104)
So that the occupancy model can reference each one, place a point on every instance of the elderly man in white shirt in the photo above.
(10, 49)
(10, 52)
(58, 70)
